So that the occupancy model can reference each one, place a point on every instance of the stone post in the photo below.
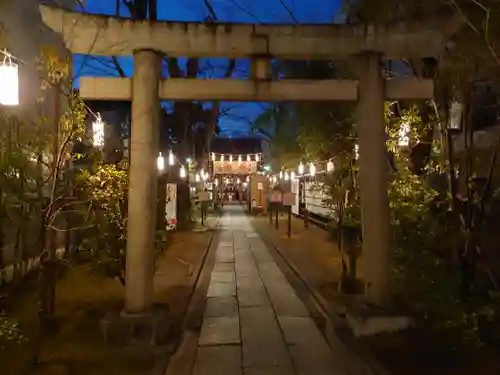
(143, 182)
(373, 178)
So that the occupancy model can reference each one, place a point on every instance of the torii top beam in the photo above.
(111, 36)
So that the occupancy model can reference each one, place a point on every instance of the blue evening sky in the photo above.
(236, 122)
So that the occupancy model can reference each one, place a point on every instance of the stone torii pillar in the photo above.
(143, 182)
(373, 179)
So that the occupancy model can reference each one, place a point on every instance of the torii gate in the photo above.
(148, 41)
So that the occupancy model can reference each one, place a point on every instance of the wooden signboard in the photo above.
(276, 196)
(204, 196)
(288, 199)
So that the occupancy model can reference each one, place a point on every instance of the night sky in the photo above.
(238, 116)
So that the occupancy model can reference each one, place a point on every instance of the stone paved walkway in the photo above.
(254, 322)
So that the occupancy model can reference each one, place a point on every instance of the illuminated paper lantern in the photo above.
(160, 162)
(301, 168)
(182, 172)
(9, 82)
(98, 131)
(312, 169)
(329, 166)
(171, 158)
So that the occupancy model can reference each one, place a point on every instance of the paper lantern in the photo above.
(98, 131)
(329, 166)
(182, 172)
(312, 169)
(301, 168)
(160, 163)
(171, 158)
(9, 82)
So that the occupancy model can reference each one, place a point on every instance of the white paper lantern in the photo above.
(171, 158)
(160, 163)
(182, 172)
(301, 168)
(98, 131)
(9, 82)
(312, 169)
(329, 166)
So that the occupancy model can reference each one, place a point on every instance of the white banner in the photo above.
(235, 167)
(171, 207)
(295, 189)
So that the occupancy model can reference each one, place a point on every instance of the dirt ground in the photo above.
(314, 254)
(83, 299)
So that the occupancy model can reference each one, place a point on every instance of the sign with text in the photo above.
(235, 167)
(288, 199)
(171, 207)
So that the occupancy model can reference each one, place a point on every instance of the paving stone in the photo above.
(259, 324)
(223, 277)
(224, 258)
(269, 370)
(225, 243)
(218, 360)
(246, 271)
(286, 304)
(221, 306)
(301, 331)
(250, 283)
(249, 297)
(221, 267)
(218, 331)
(265, 353)
(216, 289)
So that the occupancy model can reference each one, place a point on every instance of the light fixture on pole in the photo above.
(257, 158)
(312, 169)
(160, 162)
(171, 158)
(249, 158)
(98, 131)
(301, 168)
(329, 166)
(197, 177)
(286, 176)
(222, 158)
(281, 175)
(239, 158)
(231, 158)
(213, 156)
(9, 78)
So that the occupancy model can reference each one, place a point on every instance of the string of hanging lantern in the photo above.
(308, 169)
(238, 157)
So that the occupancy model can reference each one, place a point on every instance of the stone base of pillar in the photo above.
(371, 321)
(150, 329)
